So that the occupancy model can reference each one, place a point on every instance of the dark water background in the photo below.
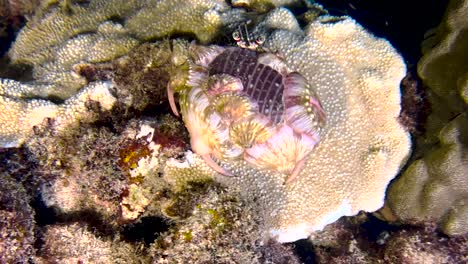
(402, 22)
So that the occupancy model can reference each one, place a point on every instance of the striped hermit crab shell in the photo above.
(242, 104)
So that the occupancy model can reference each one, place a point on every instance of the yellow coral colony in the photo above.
(363, 146)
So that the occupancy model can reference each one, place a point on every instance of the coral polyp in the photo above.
(243, 104)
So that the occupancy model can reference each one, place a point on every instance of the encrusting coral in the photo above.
(61, 38)
(202, 18)
(60, 64)
(66, 60)
(19, 115)
(16, 222)
(434, 186)
(75, 243)
(446, 46)
(443, 44)
(54, 25)
(96, 174)
(62, 41)
(362, 147)
(218, 228)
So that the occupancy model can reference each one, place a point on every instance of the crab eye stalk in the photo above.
(260, 40)
(236, 36)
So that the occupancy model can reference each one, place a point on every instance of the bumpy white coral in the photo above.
(356, 77)
(161, 18)
(18, 114)
(60, 38)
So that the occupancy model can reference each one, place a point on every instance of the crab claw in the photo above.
(170, 96)
(210, 162)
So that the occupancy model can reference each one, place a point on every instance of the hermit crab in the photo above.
(245, 104)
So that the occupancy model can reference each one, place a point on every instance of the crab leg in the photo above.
(296, 170)
(170, 96)
(210, 162)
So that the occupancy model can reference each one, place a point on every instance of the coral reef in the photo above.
(94, 170)
(75, 243)
(19, 114)
(434, 186)
(367, 240)
(219, 228)
(16, 222)
(202, 18)
(53, 25)
(62, 38)
(446, 46)
(66, 41)
(142, 75)
(100, 172)
(62, 65)
(361, 128)
(103, 181)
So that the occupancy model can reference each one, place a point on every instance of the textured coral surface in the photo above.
(362, 145)
(435, 184)
(19, 114)
(16, 222)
